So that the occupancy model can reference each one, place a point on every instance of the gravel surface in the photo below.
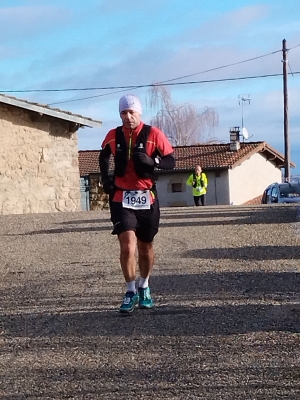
(226, 323)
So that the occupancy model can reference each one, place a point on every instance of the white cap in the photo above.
(130, 102)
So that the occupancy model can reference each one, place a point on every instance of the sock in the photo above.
(143, 282)
(130, 287)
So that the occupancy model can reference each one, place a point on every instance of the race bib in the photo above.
(136, 199)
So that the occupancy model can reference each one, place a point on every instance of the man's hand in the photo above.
(141, 159)
(109, 186)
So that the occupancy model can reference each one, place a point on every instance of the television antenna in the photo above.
(242, 100)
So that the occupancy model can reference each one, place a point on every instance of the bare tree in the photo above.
(183, 124)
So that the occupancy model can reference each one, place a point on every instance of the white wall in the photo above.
(249, 179)
(165, 195)
(217, 191)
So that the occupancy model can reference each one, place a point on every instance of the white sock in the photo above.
(143, 282)
(130, 287)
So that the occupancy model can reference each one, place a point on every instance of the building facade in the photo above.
(39, 170)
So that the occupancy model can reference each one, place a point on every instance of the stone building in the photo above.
(93, 198)
(39, 157)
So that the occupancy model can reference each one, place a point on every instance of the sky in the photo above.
(82, 56)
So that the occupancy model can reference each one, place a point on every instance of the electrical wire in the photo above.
(293, 77)
(92, 97)
(224, 66)
(138, 86)
(174, 84)
(169, 82)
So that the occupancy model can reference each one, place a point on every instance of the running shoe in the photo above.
(145, 300)
(129, 301)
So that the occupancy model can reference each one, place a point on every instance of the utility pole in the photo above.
(286, 116)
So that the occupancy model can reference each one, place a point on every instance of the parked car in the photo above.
(288, 192)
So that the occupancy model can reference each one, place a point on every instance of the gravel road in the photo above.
(226, 325)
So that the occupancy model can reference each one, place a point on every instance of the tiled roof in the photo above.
(256, 200)
(45, 109)
(209, 156)
(212, 156)
(88, 162)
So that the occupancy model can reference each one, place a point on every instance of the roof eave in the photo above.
(41, 110)
(275, 156)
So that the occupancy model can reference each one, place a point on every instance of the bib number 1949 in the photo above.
(136, 199)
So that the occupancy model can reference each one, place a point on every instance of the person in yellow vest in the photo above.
(198, 180)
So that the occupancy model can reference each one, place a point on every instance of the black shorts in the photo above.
(143, 222)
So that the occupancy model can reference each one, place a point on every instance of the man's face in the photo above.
(130, 118)
(198, 170)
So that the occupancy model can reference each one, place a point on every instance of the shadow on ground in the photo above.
(250, 253)
(188, 217)
(245, 302)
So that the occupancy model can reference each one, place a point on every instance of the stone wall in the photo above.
(98, 199)
(38, 163)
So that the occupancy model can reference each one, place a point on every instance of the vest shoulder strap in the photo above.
(121, 152)
(120, 138)
(142, 138)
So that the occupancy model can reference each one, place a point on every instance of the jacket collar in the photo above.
(136, 130)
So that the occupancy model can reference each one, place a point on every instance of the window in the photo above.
(268, 193)
(274, 195)
(176, 187)
(289, 190)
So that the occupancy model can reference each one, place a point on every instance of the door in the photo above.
(85, 193)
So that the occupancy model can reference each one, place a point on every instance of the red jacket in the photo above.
(157, 140)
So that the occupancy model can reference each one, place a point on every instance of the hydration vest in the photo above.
(195, 180)
(121, 157)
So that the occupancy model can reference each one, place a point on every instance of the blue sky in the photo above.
(72, 44)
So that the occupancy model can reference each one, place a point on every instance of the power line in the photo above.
(92, 97)
(173, 84)
(291, 48)
(292, 73)
(138, 86)
(166, 82)
(224, 66)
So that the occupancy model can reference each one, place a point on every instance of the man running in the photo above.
(198, 180)
(137, 149)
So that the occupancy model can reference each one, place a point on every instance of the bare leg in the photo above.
(146, 258)
(127, 255)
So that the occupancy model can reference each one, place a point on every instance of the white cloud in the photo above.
(19, 23)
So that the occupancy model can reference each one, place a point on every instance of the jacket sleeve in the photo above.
(205, 180)
(104, 157)
(189, 182)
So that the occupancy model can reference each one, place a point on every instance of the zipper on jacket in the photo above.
(129, 145)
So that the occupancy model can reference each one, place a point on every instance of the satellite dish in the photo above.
(245, 133)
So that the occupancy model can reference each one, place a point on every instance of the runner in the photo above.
(137, 150)
(198, 180)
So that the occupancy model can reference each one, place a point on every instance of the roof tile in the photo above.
(88, 162)
(209, 156)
